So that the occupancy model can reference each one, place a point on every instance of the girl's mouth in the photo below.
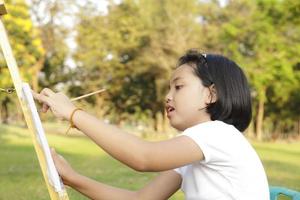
(169, 110)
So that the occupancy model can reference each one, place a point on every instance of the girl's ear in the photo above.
(212, 98)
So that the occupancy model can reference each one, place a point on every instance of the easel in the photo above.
(55, 187)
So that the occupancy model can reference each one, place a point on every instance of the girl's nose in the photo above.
(168, 98)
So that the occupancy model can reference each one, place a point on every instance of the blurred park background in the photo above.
(130, 47)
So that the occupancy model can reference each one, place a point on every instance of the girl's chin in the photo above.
(177, 126)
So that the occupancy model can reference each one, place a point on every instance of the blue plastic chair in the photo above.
(276, 191)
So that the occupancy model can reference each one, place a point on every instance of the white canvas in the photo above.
(52, 173)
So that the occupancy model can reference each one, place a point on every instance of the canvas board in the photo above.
(52, 173)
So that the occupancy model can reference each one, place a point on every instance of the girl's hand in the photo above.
(63, 168)
(60, 105)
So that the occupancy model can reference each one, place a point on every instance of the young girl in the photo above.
(209, 100)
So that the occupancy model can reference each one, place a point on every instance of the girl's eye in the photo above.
(177, 87)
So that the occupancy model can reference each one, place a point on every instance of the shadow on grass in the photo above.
(19, 168)
(21, 176)
(3, 131)
(280, 151)
(280, 162)
(7, 131)
(282, 174)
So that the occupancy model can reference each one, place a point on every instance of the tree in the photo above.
(254, 33)
(135, 43)
(48, 17)
(27, 48)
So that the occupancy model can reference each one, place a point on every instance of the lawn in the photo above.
(21, 177)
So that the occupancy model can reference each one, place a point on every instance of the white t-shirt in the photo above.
(231, 169)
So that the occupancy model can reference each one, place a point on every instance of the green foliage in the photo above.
(132, 49)
(48, 17)
(135, 45)
(27, 48)
(258, 35)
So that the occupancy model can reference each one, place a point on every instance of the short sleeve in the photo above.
(181, 170)
(178, 171)
(211, 137)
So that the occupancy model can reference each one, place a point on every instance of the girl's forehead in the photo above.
(182, 72)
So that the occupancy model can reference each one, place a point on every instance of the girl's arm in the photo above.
(136, 153)
(162, 187)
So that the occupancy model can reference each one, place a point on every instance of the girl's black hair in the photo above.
(233, 104)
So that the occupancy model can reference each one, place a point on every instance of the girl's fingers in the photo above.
(45, 99)
(59, 103)
(46, 103)
(42, 99)
(54, 156)
(47, 92)
(45, 108)
(53, 153)
(34, 94)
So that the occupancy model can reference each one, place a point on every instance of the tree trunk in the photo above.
(36, 70)
(260, 118)
(1, 113)
(250, 130)
(298, 129)
(154, 117)
(99, 106)
(4, 111)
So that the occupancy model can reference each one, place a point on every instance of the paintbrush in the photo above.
(87, 95)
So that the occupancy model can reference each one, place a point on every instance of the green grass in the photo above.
(21, 177)
(281, 162)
